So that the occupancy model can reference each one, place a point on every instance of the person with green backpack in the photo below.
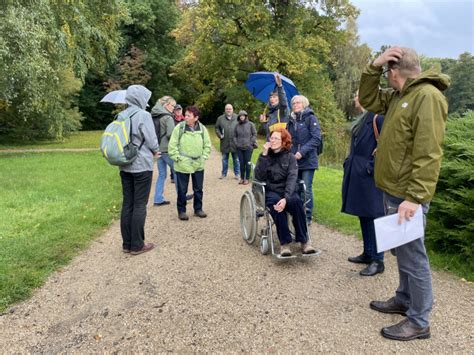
(137, 176)
(190, 147)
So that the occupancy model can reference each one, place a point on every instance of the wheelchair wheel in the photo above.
(264, 245)
(248, 217)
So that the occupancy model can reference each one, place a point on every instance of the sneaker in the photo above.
(163, 203)
(405, 330)
(306, 248)
(146, 247)
(241, 182)
(126, 250)
(285, 250)
(246, 182)
(236, 177)
(221, 177)
(391, 306)
(183, 216)
(200, 214)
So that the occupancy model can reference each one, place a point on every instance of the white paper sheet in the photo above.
(389, 234)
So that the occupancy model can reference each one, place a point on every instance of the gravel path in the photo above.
(205, 290)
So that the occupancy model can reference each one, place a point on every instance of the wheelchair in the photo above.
(256, 220)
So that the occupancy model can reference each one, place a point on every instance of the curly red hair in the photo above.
(285, 137)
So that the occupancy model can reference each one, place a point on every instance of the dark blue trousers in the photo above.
(136, 189)
(182, 182)
(294, 206)
(368, 236)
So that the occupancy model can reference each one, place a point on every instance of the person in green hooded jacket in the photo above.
(407, 167)
(189, 147)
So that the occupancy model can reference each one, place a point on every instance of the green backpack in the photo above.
(116, 143)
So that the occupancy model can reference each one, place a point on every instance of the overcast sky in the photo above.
(435, 28)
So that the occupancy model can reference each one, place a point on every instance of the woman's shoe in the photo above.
(246, 182)
(306, 248)
(285, 251)
(241, 182)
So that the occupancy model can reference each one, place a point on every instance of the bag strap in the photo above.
(376, 132)
(131, 130)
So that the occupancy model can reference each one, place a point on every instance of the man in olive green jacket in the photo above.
(407, 168)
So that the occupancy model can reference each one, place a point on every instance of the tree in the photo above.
(461, 93)
(45, 52)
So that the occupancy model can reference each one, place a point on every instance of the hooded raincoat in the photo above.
(143, 130)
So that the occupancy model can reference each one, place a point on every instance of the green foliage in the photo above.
(224, 43)
(45, 52)
(451, 226)
(461, 93)
(51, 207)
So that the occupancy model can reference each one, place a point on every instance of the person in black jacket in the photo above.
(360, 197)
(277, 167)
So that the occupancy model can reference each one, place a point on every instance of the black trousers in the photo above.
(136, 190)
(244, 159)
(182, 181)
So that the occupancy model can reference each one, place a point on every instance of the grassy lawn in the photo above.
(327, 211)
(84, 139)
(51, 206)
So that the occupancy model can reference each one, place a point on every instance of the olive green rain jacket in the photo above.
(409, 150)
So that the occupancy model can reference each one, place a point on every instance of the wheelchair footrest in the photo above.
(278, 256)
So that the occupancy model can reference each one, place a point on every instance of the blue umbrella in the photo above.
(262, 83)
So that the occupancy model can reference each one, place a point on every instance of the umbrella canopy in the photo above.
(262, 83)
(115, 97)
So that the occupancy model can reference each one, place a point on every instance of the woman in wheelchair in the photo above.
(277, 167)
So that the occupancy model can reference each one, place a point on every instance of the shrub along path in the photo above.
(205, 290)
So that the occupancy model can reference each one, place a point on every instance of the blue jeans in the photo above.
(307, 177)
(415, 289)
(368, 235)
(162, 162)
(225, 163)
(244, 158)
(182, 182)
(135, 190)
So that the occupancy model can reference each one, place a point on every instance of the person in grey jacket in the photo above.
(225, 126)
(137, 176)
(162, 114)
(245, 140)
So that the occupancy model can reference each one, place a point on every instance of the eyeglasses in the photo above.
(385, 73)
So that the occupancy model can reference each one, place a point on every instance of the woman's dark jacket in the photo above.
(245, 135)
(360, 197)
(306, 138)
(279, 171)
(280, 109)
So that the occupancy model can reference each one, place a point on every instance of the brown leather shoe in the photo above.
(405, 330)
(391, 306)
(146, 247)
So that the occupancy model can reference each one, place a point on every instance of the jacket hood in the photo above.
(308, 111)
(137, 95)
(158, 109)
(432, 76)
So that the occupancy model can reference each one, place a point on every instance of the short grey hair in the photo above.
(304, 100)
(408, 64)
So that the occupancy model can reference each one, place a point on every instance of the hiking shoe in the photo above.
(163, 203)
(405, 330)
(285, 250)
(183, 216)
(306, 248)
(200, 214)
(146, 247)
(391, 306)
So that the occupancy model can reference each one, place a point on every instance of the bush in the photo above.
(451, 226)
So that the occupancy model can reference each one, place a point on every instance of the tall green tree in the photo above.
(460, 95)
(226, 40)
(45, 52)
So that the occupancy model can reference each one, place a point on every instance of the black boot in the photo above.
(361, 259)
(374, 268)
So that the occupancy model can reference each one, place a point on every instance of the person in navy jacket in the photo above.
(360, 197)
(306, 135)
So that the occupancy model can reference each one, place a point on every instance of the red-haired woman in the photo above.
(277, 167)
